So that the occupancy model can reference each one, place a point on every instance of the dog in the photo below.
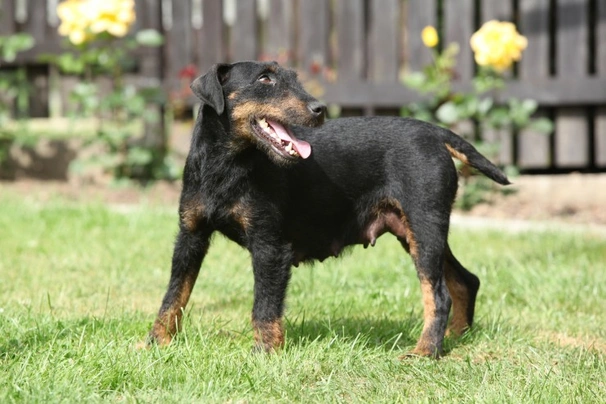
(267, 172)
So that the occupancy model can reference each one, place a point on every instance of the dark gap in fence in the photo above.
(551, 114)
(515, 150)
(591, 135)
(553, 25)
(440, 25)
(515, 18)
(37, 76)
(592, 14)
(367, 110)
(477, 23)
(366, 28)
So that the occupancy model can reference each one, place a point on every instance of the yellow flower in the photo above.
(74, 21)
(429, 35)
(497, 44)
(81, 20)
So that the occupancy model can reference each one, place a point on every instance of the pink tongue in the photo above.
(300, 146)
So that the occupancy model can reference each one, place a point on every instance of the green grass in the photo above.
(80, 285)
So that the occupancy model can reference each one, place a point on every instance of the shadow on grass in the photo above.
(383, 333)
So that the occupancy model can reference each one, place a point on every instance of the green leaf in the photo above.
(529, 106)
(448, 113)
(149, 37)
(484, 106)
(11, 45)
(138, 156)
(542, 125)
(415, 80)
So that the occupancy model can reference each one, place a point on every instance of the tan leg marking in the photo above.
(269, 335)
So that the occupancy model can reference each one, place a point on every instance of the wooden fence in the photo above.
(355, 51)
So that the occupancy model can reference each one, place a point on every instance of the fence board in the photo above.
(458, 27)
(418, 15)
(7, 17)
(502, 11)
(600, 137)
(534, 25)
(571, 123)
(178, 42)
(571, 142)
(533, 148)
(279, 32)
(600, 118)
(313, 34)
(496, 10)
(349, 18)
(384, 41)
(210, 39)
(149, 17)
(244, 31)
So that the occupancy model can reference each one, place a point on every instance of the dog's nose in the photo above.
(316, 108)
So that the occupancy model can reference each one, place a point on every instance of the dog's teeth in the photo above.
(263, 123)
(292, 152)
(289, 148)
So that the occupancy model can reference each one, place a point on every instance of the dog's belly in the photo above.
(328, 239)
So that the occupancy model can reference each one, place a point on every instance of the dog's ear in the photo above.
(208, 88)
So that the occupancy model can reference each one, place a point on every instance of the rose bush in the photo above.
(99, 46)
(496, 46)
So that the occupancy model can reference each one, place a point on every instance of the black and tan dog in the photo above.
(266, 173)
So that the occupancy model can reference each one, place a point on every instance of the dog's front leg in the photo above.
(190, 248)
(271, 266)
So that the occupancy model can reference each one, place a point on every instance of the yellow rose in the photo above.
(74, 21)
(497, 44)
(81, 20)
(429, 35)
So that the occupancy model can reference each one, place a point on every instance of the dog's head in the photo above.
(262, 101)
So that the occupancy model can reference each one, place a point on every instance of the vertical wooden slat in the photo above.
(571, 138)
(36, 25)
(244, 32)
(419, 14)
(149, 17)
(496, 10)
(571, 123)
(7, 17)
(279, 32)
(210, 40)
(384, 40)
(178, 42)
(534, 25)
(502, 11)
(458, 27)
(533, 147)
(600, 117)
(350, 36)
(313, 34)
(600, 137)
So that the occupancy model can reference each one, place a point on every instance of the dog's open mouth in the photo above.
(281, 139)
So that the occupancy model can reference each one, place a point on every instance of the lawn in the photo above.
(80, 285)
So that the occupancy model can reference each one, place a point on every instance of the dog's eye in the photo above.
(265, 79)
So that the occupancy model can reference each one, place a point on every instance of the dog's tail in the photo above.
(464, 151)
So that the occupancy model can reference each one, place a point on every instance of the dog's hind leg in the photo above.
(190, 248)
(426, 245)
(271, 266)
(463, 287)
